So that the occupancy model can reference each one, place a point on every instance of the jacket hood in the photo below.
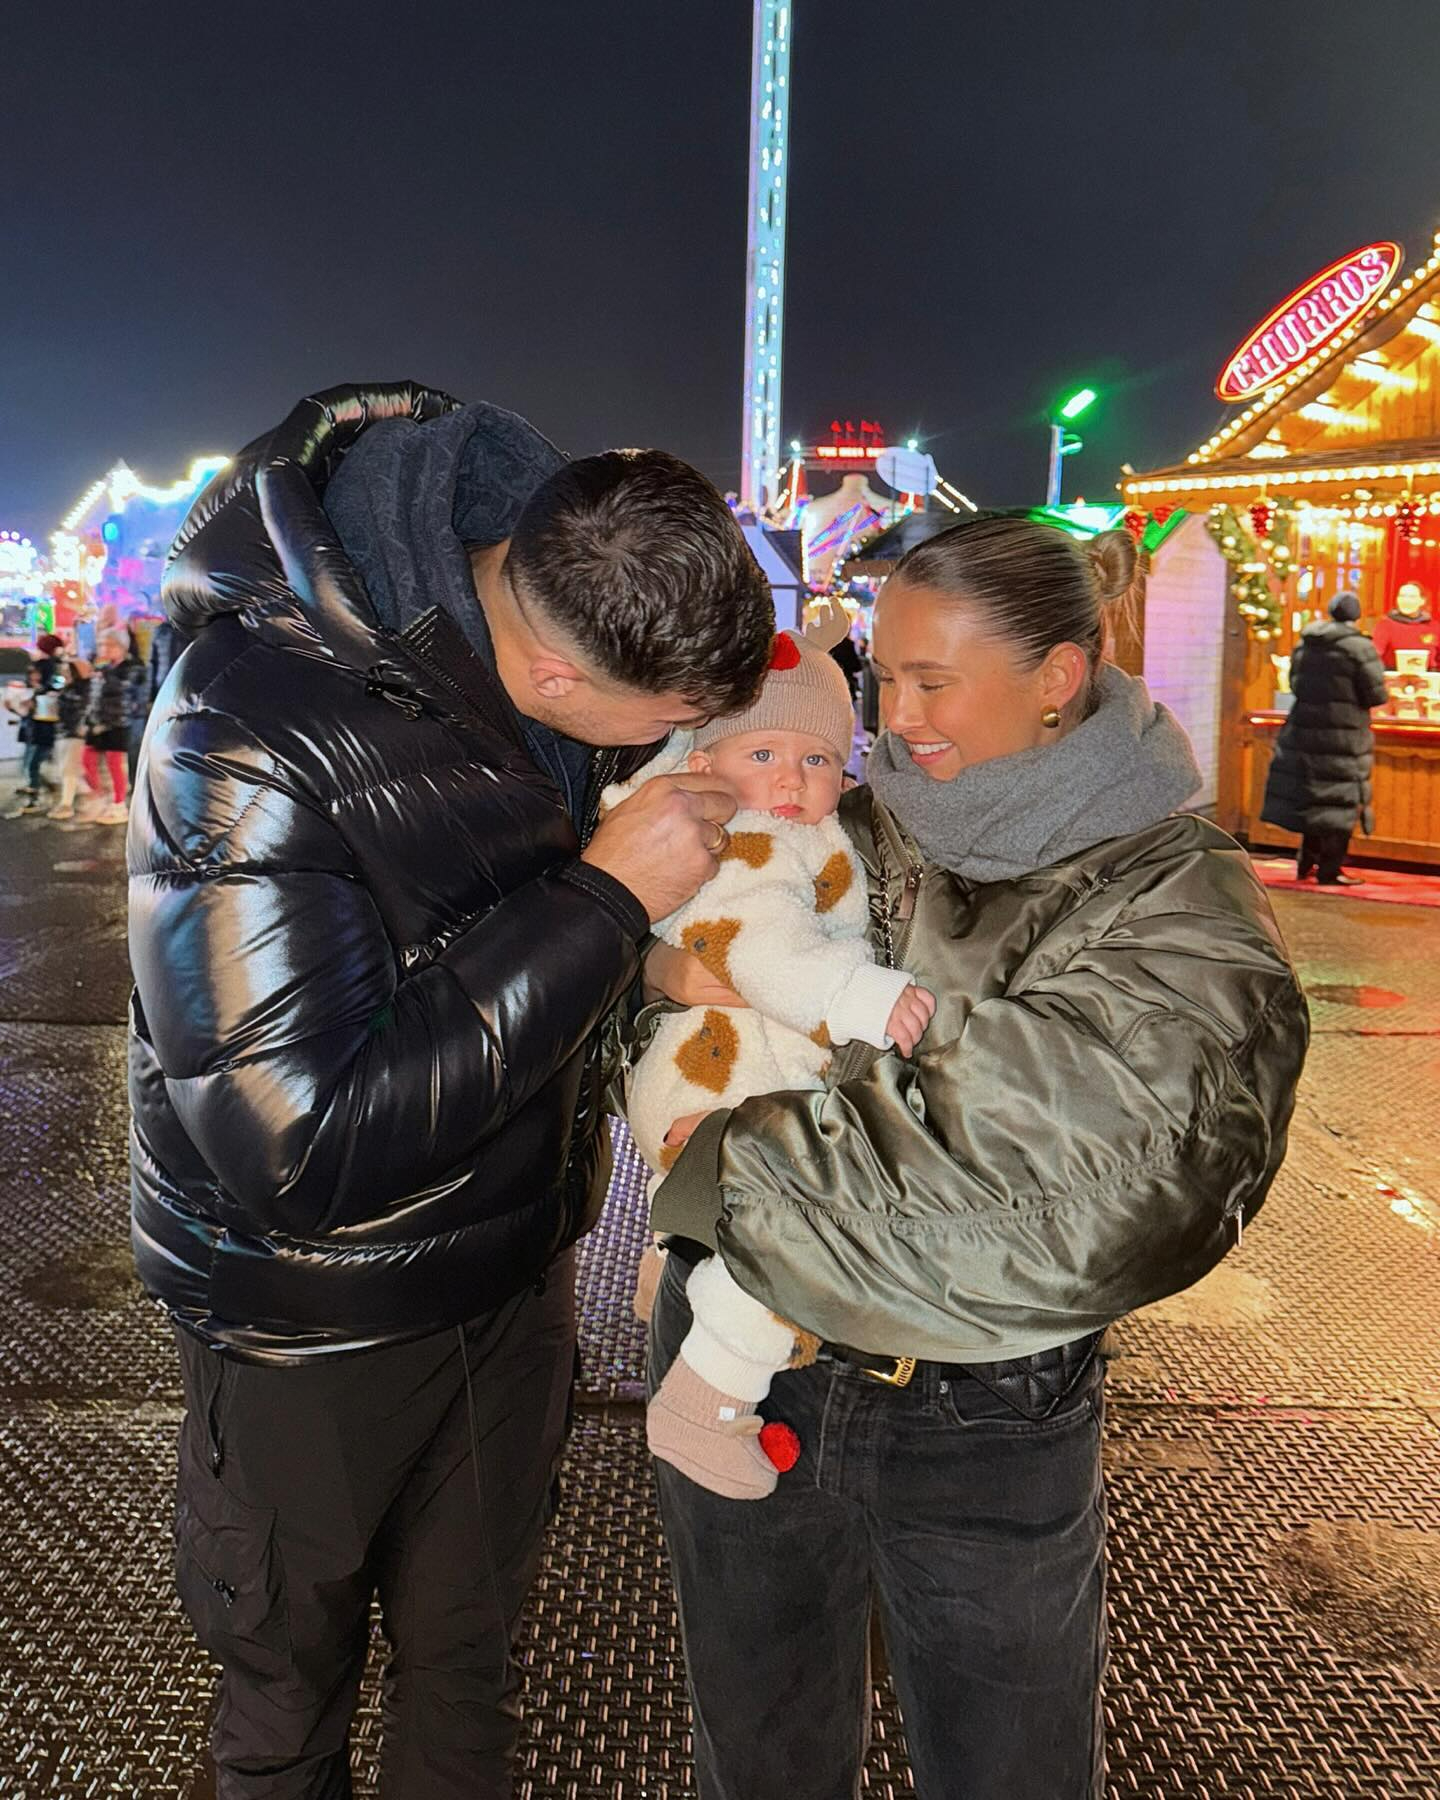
(257, 544)
(413, 493)
(1122, 770)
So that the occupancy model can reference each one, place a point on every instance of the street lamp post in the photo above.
(1064, 442)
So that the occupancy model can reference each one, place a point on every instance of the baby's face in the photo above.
(789, 774)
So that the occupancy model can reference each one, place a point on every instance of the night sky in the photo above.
(215, 210)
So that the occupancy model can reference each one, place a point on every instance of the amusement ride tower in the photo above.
(765, 263)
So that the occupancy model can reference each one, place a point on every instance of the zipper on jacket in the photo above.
(852, 1060)
(379, 683)
(905, 907)
(602, 770)
(602, 766)
(902, 911)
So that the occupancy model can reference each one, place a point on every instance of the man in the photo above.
(376, 934)
(1319, 778)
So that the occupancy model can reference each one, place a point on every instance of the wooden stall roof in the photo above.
(1363, 411)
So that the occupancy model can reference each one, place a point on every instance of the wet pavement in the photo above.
(1273, 1445)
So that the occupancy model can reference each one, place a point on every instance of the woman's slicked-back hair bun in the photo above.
(1114, 559)
(1033, 584)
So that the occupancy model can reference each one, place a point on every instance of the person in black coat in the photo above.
(377, 934)
(1319, 779)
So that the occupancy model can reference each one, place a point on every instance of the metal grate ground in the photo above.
(1298, 1391)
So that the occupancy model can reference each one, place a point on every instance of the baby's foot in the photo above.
(709, 1436)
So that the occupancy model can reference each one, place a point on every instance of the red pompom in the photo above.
(786, 654)
(778, 1440)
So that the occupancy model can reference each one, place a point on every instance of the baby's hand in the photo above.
(909, 1016)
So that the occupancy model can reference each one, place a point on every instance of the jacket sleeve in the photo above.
(321, 1078)
(1081, 1146)
(1370, 687)
(770, 944)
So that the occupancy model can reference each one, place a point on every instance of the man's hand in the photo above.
(909, 1016)
(662, 842)
(676, 975)
(685, 1127)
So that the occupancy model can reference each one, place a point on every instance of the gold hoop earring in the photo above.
(1050, 718)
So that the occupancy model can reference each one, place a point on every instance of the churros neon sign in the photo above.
(1312, 316)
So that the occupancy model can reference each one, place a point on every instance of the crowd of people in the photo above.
(79, 722)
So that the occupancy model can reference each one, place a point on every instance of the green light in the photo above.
(1077, 403)
(912, 443)
(795, 446)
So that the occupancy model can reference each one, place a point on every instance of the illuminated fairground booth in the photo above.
(1325, 478)
(108, 556)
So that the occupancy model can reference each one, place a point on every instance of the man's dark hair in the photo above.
(636, 558)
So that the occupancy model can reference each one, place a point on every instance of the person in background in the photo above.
(139, 696)
(116, 694)
(70, 736)
(1407, 626)
(848, 658)
(166, 643)
(1319, 779)
(84, 636)
(38, 710)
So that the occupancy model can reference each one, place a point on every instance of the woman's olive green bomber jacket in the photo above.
(1101, 1100)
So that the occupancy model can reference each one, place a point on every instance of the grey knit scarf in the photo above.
(1126, 767)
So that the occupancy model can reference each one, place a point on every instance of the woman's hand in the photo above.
(673, 974)
(684, 1128)
(909, 1017)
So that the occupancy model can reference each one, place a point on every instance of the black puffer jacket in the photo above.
(1319, 777)
(74, 707)
(370, 970)
(118, 695)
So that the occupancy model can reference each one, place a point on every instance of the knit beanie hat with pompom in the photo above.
(804, 690)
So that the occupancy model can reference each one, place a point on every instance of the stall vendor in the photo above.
(1408, 626)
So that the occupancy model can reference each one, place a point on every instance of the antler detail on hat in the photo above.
(830, 624)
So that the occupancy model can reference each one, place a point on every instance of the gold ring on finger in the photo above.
(720, 841)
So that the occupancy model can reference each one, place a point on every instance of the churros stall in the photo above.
(1325, 479)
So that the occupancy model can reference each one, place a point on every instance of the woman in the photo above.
(116, 698)
(1099, 1105)
(1407, 626)
(74, 706)
(1319, 779)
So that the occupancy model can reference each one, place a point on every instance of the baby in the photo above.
(783, 924)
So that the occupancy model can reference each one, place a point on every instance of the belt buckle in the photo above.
(899, 1376)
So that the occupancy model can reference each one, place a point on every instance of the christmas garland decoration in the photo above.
(1256, 545)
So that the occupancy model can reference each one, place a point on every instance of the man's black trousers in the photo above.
(305, 1490)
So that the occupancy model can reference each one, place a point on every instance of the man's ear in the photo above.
(698, 763)
(553, 676)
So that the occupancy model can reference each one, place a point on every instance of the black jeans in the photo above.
(306, 1489)
(978, 1534)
